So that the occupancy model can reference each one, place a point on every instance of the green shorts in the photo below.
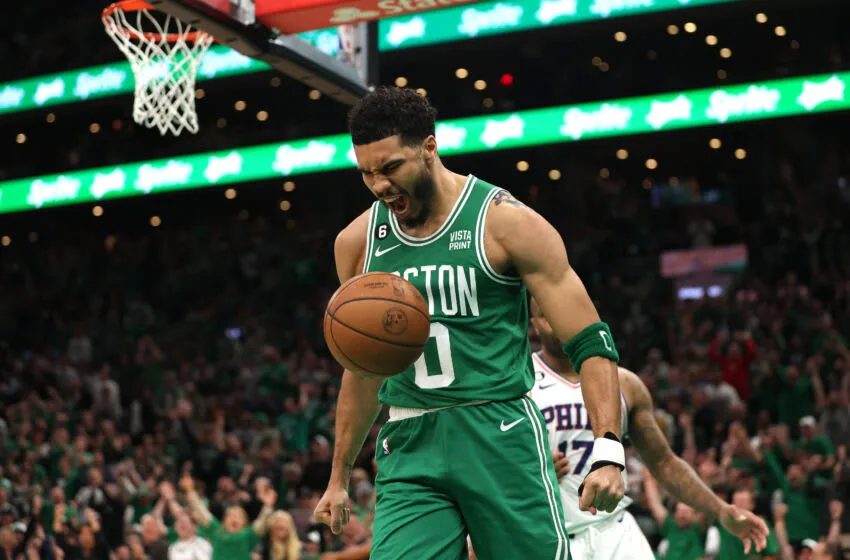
(484, 470)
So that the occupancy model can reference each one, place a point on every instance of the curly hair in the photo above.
(390, 111)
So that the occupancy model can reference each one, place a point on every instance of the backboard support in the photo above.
(233, 23)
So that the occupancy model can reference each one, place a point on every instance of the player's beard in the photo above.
(421, 198)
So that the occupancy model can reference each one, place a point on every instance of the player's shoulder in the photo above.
(350, 246)
(355, 232)
(505, 211)
(520, 235)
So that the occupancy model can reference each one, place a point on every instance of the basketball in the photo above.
(377, 324)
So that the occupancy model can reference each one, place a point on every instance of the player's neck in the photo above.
(561, 365)
(448, 187)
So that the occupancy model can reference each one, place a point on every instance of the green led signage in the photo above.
(439, 26)
(705, 107)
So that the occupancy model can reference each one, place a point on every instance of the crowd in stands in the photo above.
(168, 395)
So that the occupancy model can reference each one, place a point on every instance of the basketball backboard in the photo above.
(345, 74)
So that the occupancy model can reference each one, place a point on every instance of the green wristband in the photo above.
(593, 340)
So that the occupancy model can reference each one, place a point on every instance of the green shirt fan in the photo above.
(165, 54)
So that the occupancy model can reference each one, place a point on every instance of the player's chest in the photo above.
(451, 282)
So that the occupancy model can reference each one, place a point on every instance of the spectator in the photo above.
(232, 538)
(282, 542)
(86, 544)
(318, 471)
(731, 547)
(684, 531)
(153, 538)
(735, 360)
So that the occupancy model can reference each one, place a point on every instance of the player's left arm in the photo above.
(674, 474)
(522, 239)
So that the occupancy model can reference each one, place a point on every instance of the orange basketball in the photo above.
(377, 324)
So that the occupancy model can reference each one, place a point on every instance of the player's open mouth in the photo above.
(399, 204)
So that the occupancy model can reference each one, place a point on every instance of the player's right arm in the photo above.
(674, 474)
(357, 406)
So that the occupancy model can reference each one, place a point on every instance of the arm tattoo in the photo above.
(505, 196)
(671, 472)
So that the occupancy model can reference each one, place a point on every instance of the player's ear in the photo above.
(429, 149)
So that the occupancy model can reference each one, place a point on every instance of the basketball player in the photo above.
(615, 535)
(464, 450)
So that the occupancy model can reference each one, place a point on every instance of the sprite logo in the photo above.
(218, 167)
(108, 182)
(324, 40)
(11, 96)
(662, 113)
(496, 132)
(608, 117)
(404, 31)
(314, 154)
(605, 8)
(450, 136)
(815, 94)
(501, 16)
(153, 70)
(550, 10)
(61, 188)
(172, 173)
(49, 90)
(222, 61)
(107, 80)
(756, 100)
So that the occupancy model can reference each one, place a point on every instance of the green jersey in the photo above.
(478, 348)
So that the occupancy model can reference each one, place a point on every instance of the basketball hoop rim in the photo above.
(136, 6)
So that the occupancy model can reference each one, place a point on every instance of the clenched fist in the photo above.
(602, 489)
(333, 509)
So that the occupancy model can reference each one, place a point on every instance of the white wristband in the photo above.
(605, 449)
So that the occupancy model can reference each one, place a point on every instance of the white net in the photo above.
(164, 53)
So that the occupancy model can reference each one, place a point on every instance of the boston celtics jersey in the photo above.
(478, 348)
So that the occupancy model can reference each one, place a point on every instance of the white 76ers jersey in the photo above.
(570, 432)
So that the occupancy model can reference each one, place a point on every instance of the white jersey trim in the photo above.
(552, 373)
(547, 369)
(541, 440)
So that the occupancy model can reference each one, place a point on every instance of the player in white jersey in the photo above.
(616, 535)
